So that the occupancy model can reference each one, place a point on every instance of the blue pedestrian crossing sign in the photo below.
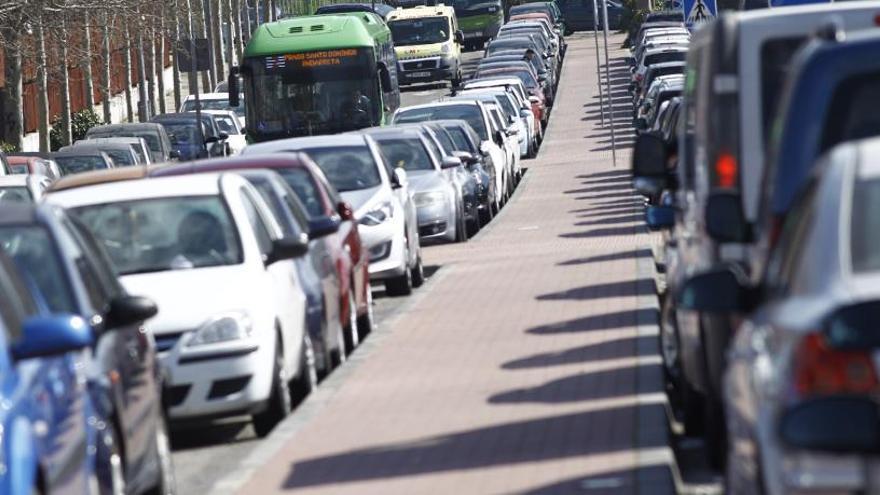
(697, 11)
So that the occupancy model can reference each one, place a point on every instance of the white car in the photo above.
(381, 198)
(477, 115)
(511, 107)
(228, 122)
(23, 188)
(515, 87)
(230, 329)
(214, 101)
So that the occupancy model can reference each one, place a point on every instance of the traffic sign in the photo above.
(697, 11)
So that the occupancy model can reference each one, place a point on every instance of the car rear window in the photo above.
(865, 226)
(659, 58)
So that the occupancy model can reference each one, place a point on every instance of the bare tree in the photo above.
(88, 80)
(42, 85)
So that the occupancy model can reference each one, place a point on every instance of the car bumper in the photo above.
(437, 221)
(231, 379)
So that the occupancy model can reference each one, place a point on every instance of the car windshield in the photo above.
(469, 113)
(151, 138)
(221, 104)
(406, 153)
(458, 136)
(121, 157)
(37, 259)
(348, 168)
(15, 194)
(77, 164)
(20, 169)
(419, 31)
(507, 105)
(300, 180)
(529, 8)
(182, 133)
(161, 234)
(527, 78)
(225, 124)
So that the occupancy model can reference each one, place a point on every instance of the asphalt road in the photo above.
(202, 455)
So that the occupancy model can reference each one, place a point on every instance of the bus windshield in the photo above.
(419, 31)
(309, 93)
(465, 8)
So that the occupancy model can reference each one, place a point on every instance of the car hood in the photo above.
(362, 199)
(425, 180)
(187, 298)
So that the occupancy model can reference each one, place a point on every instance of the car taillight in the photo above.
(775, 229)
(822, 370)
(726, 170)
(639, 77)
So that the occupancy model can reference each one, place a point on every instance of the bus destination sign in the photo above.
(311, 60)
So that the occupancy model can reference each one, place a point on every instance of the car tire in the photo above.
(166, 484)
(339, 355)
(461, 230)
(280, 402)
(366, 322)
(352, 339)
(418, 273)
(474, 225)
(307, 378)
(715, 433)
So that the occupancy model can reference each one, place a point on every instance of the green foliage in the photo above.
(631, 19)
(80, 123)
(7, 148)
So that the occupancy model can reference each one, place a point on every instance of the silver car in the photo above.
(439, 207)
(802, 380)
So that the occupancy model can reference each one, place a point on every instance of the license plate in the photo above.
(419, 74)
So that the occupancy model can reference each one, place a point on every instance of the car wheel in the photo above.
(487, 213)
(352, 339)
(461, 230)
(366, 323)
(400, 285)
(339, 355)
(474, 225)
(418, 273)
(307, 378)
(166, 484)
(280, 402)
(715, 432)
(110, 470)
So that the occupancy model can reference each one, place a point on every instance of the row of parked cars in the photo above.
(764, 179)
(145, 298)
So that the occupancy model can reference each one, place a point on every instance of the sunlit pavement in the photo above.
(529, 362)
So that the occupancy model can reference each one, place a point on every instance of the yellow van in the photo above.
(427, 43)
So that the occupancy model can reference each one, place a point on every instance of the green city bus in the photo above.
(319, 74)
(479, 20)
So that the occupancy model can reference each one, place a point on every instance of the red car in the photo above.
(322, 203)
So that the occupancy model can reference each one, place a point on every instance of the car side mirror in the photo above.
(398, 178)
(511, 131)
(211, 139)
(232, 87)
(459, 37)
(649, 156)
(385, 79)
(725, 220)
(323, 226)
(174, 155)
(499, 137)
(659, 217)
(450, 162)
(717, 291)
(525, 112)
(288, 248)
(345, 211)
(128, 310)
(223, 136)
(816, 425)
(43, 336)
(465, 157)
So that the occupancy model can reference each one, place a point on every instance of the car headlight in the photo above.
(222, 328)
(445, 48)
(428, 198)
(377, 215)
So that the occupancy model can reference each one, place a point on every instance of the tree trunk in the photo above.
(160, 62)
(129, 106)
(248, 20)
(42, 88)
(207, 76)
(174, 67)
(238, 46)
(13, 109)
(106, 62)
(216, 30)
(64, 76)
(267, 12)
(143, 95)
(88, 78)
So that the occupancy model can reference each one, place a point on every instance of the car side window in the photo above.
(852, 113)
(435, 150)
(100, 285)
(781, 269)
(261, 231)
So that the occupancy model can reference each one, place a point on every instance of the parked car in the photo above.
(45, 391)
(72, 272)
(380, 196)
(76, 161)
(802, 376)
(5, 169)
(228, 123)
(190, 142)
(154, 134)
(514, 111)
(325, 209)
(28, 164)
(467, 146)
(25, 189)
(218, 100)
(438, 203)
(122, 154)
(477, 115)
(514, 85)
(208, 250)
(138, 144)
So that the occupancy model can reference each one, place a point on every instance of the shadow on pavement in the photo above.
(607, 321)
(659, 477)
(619, 255)
(605, 384)
(614, 210)
(641, 287)
(184, 438)
(612, 220)
(610, 349)
(516, 442)
(605, 232)
(600, 188)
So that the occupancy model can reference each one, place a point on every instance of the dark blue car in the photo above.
(52, 439)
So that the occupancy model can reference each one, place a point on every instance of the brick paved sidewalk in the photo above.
(529, 364)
